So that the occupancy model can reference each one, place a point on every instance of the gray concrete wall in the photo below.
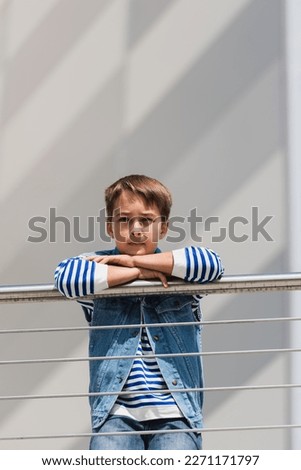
(190, 92)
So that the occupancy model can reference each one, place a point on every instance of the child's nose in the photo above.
(137, 226)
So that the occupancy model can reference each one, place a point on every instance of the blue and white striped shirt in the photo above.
(145, 376)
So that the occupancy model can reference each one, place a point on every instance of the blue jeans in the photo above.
(165, 441)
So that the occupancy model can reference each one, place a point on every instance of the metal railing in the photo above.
(227, 285)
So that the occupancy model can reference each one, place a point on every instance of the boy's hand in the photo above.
(152, 274)
(116, 260)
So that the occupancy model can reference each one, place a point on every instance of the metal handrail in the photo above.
(226, 285)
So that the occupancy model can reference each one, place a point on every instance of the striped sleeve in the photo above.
(77, 277)
(196, 264)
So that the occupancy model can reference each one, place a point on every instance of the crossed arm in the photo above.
(125, 268)
(84, 275)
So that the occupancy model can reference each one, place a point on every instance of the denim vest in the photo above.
(178, 372)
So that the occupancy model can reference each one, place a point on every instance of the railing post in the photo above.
(293, 97)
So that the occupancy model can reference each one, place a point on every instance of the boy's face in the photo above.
(135, 226)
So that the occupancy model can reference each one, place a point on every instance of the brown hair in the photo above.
(149, 189)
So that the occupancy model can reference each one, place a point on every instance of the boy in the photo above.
(138, 209)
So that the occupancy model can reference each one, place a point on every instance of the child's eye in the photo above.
(146, 221)
(123, 219)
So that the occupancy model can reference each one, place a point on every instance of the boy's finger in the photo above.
(97, 259)
(163, 280)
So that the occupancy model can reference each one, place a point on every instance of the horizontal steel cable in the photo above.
(149, 356)
(195, 430)
(138, 392)
(148, 325)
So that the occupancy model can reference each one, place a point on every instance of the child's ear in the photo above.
(109, 228)
(163, 230)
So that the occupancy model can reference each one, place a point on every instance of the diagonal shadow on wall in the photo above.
(45, 48)
(142, 15)
(213, 84)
